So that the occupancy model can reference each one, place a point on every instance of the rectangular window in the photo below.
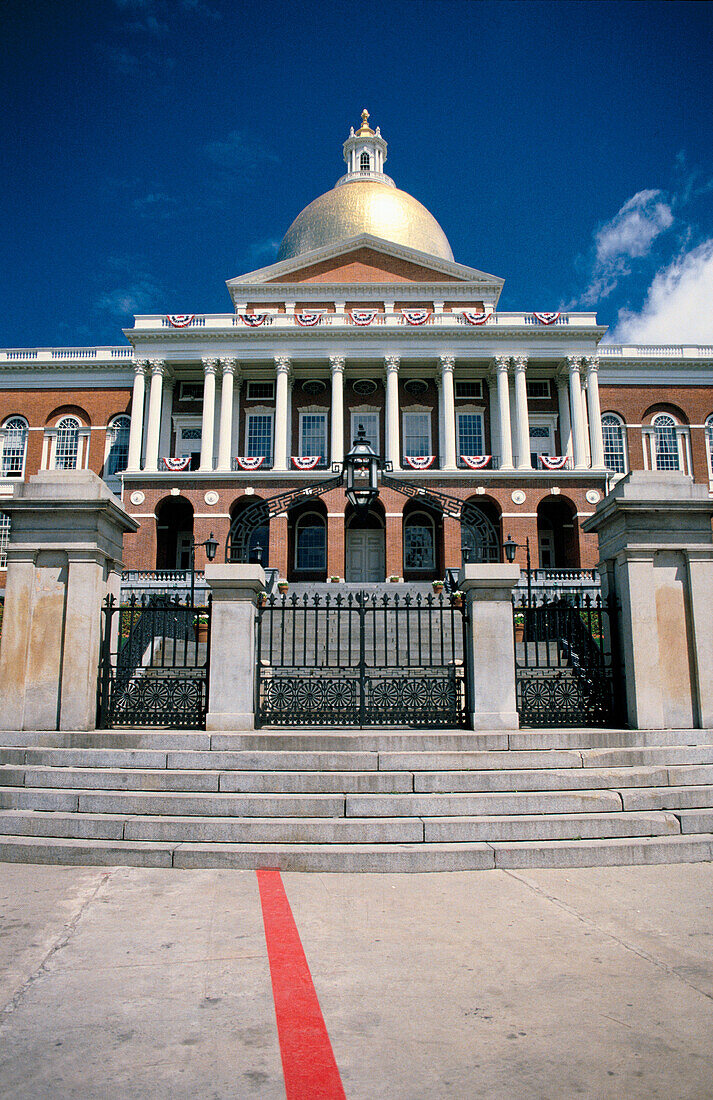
(466, 389)
(313, 436)
(538, 388)
(470, 434)
(259, 436)
(190, 391)
(417, 434)
(4, 537)
(370, 422)
(261, 391)
(540, 443)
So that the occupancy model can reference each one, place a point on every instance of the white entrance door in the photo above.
(365, 556)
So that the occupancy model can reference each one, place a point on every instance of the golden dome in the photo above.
(365, 206)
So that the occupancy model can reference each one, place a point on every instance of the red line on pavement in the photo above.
(308, 1063)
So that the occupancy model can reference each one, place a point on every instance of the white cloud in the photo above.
(679, 303)
(143, 295)
(628, 236)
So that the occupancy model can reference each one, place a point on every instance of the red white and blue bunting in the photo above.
(546, 318)
(362, 316)
(246, 462)
(474, 318)
(175, 464)
(179, 320)
(253, 320)
(476, 462)
(307, 319)
(420, 462)
(415, 316)
(305, 462)
(554, 462)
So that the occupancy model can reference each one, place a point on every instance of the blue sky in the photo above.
(152, 149)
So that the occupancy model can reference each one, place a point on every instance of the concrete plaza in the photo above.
(119, 983)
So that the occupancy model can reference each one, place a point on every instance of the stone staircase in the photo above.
(357, 800)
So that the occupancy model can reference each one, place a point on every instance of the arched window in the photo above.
(4, 538)
(13, 444)
(709, 447)
(364, 162)
(419, 542)
(666, 442)
(311, 543)
(613, 431)
(118, 442)
(67, 444)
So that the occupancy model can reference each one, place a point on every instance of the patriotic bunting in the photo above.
(175, 463)
(253, 320)
(476, 462)
(179, 320)
(307, 319)
(362, 316)
(249, 463)
(474, 318)
(305, 462)
(419, 462)
(546, 318)
(554, 462)
(415, 316)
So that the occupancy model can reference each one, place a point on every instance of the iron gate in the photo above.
(363, 659)
(154, 663)
(567, 665)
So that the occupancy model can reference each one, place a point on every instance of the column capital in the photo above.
(336, 362)
(158, 366)
(591, 363)
(229, 366)
(391, 362)
(447, 362)
(501, 363)
(572, 363)
(141, 366)
(210, 366)
(520, 363)
(282, 364)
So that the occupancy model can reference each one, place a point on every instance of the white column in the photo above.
(504, 432)
(225, 436)
(282, 366)
(494, 416)
(136, 431)
(158, 369)
(336, 364)
(235, 441)
(441, 423)
(522, 418)
(393, 450)
(575, 400)
(210, 367)
(585, 421)
(565, 420)
(164, 441)
(596, 436)
(449, 412)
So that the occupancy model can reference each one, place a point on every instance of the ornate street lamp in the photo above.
(362, 464)
(211, 546)
(510, 546)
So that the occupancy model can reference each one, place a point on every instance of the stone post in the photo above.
(656, 555)
(231, 692)
(63, 559)
(490, 648)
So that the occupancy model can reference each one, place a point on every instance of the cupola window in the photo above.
(364, 162)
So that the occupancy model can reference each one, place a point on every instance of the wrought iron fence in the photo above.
(154, 663)
(567, 661)
(360, 659)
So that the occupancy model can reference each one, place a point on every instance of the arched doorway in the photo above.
(422, 542)
(249, 543)
(307, 542)
(174, 533)
(481, 535)
(365, 547)
(557, 534)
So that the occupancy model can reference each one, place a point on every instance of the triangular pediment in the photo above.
(368, 260)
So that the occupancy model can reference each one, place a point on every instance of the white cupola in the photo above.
(365, 154)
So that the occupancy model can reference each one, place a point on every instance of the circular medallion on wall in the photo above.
(593, 496)
(364, 386)
(249, 490)
(517, 496)
(416, 386)
(137, 497)
(211, 497)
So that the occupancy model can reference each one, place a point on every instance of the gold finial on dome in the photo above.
(365, 130)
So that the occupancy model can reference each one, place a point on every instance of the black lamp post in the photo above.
(510, 546)
(362, 464)
(211, 546)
